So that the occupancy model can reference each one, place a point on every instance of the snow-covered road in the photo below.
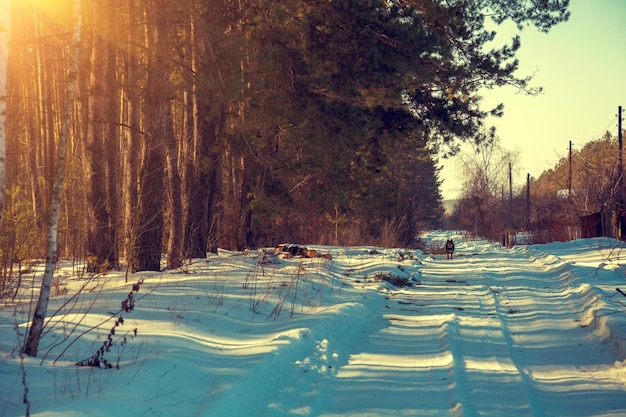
(530, 331)
(492, 334)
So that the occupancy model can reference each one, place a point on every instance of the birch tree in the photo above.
(36, 329)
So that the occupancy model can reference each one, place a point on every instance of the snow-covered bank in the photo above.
(534, 330)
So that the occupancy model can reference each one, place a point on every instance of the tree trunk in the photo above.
(199, 177)
(133, 144)
(5, 18)
(39, 140)
(112, 143)
(103, 142)
(32, 342)
(147, 256)
(174, 244)
(203, 183)
(203, 178)
(215, 184)
(189, 128)
(245, 234)
(96, 240)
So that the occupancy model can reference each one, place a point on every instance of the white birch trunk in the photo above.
(32, 343)
(5, 21)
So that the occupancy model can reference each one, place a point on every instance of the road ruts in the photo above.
(498, 333)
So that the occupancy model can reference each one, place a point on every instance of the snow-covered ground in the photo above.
(531, 331)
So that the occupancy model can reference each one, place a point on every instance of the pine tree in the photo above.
(327, 72)
(148, 250)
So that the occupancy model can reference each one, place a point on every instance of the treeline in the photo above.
(200, 124)
(589, 182)
(548, 207)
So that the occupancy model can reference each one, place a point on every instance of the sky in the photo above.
(528, 331)
(581, 66)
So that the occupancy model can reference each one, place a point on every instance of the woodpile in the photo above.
(289, 251)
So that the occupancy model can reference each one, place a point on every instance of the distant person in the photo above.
(450, 249)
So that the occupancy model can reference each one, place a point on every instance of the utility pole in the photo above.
(620, 173)
(620, 168)
(569, 180)
(510, 182)
(528, 200)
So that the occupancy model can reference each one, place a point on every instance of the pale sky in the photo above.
(581, 65)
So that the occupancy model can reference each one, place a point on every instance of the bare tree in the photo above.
(32, 342)
(486, 172)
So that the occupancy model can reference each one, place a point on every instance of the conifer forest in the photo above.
(134, 130)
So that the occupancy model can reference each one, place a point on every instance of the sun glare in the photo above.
(45, 17)
(56, 10)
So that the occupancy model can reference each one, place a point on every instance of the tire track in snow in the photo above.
(442, 327)
(429, 359)
(513, 317)
(501, 316)
(479, 347)
(501, 303)
(401, 366)
(312, 355)
(540, 309)
(319, 363)
(405, 368)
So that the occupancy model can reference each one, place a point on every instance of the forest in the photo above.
(137, 129)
